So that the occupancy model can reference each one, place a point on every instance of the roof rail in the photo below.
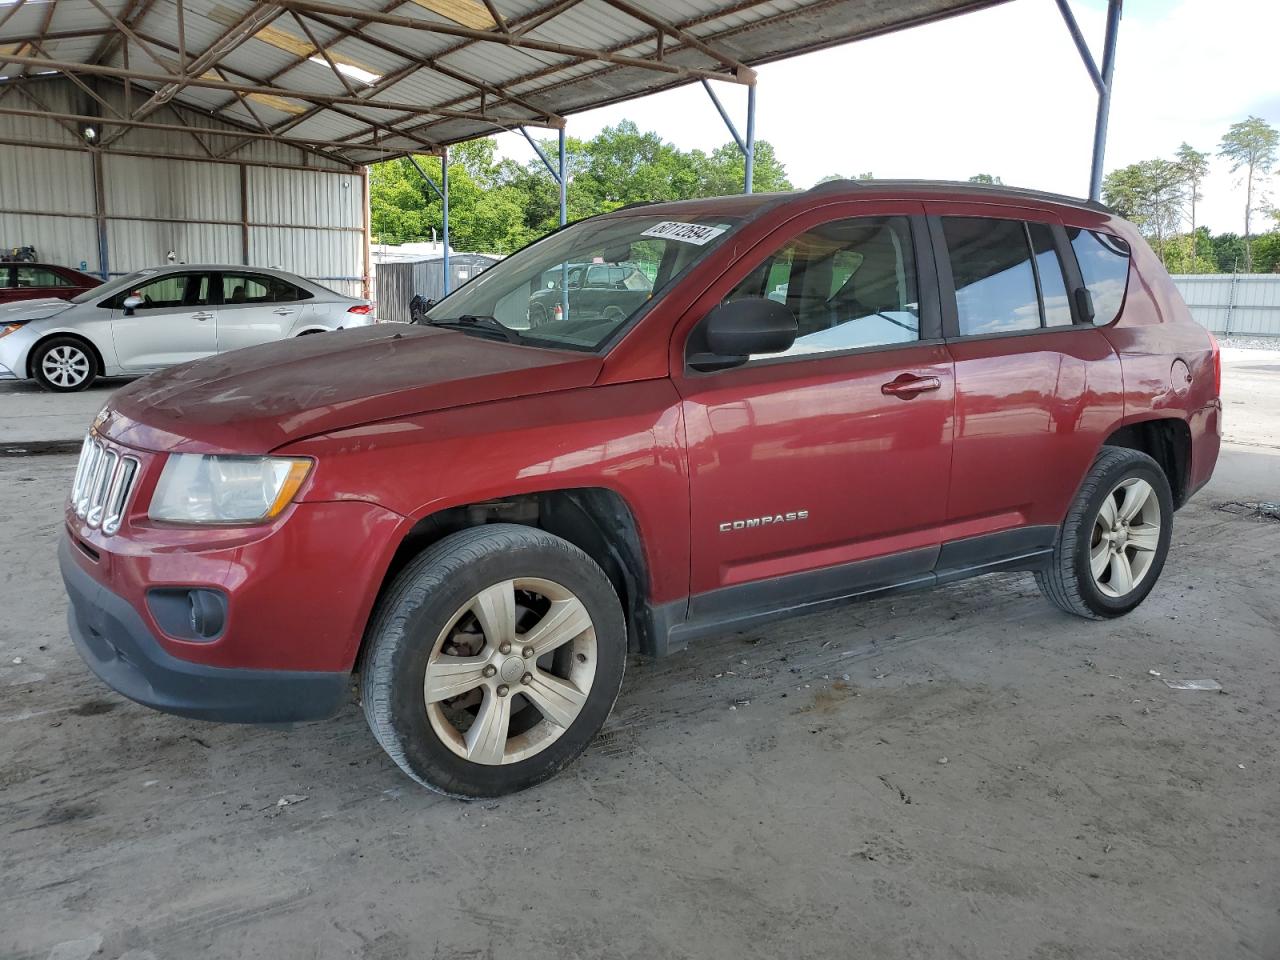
(946, 186)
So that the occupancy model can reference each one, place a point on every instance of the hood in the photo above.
(255, 400)
(22, 311)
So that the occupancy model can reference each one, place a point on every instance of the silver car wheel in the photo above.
(1126, 536)
(66, 366)
(511, 671)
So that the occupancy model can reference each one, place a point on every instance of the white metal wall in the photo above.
(266, 205)
(1242, 303)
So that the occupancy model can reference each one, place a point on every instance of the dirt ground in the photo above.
(965, 773)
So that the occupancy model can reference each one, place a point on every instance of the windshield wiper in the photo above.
(471, 321)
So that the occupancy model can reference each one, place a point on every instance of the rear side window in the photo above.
(1104, 266)
(995, 282)
(1053, 287)
(39, 277)
(249, 288)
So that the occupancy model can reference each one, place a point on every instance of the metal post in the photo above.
(100, 214)
(1104, 98)
(747, 145)
(563, 180)
(562, 177)
(444, 197)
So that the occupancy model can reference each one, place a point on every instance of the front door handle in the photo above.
(908, 385)
(202, 316)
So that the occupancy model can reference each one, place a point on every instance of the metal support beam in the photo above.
(1102, 81)
(441, 191)
(510, 40)
(747, 144)
(444, 237)
(542, 154)
(562, 178)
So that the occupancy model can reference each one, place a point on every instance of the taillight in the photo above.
(558, 312)
(364, 309)
(1217, 366)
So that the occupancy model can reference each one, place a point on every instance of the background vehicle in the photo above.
(957, 380)
(609, 291)
(158, 317)
(36, 281)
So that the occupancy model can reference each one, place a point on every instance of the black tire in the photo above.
(1068, 580)
(418, 310)
(420, 604)
(66, 344)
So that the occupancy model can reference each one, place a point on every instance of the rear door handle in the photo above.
(908, 385)
(202, 316)
(282, 312)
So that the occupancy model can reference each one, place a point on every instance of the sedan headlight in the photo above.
(194, 488)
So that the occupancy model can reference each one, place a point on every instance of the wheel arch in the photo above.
(1167, 441)
(597, 520)
(94, 352)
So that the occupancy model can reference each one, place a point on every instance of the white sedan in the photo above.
(158, 317)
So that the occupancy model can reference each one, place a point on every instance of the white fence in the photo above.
(1247, 304)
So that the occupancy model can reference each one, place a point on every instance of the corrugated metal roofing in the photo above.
(367, 79)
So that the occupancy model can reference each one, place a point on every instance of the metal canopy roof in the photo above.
(364, 80)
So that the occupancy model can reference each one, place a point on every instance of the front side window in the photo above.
(850, 283)
(994, 280)
(1104, 266)
(581, 285)
(39, 277)
(170, 292)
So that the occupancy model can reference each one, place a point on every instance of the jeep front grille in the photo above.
(104, 480)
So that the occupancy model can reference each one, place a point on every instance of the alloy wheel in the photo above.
(511, 671)
(1126, 536)
(66, 366)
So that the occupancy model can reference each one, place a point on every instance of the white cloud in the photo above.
(1001, 91)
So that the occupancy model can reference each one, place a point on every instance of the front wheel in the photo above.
(64, 365)
(1113, 544)
(493, 660)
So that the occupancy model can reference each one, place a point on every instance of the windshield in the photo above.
(112, 286)
(580, 286)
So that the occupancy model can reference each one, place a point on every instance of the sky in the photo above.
(1001, 91)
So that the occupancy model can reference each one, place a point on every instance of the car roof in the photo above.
(747, 205)
(47, 266)
(231, 267)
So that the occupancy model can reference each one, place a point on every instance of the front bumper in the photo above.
(120, 648)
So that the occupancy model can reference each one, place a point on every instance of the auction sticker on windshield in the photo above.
(696, 233)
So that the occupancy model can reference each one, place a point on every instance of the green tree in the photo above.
(725, 171)
(1228, 251)
(1250, 145)
(1266, 253)
(1195, 167)
(501, 205)
(986, 178)
(1149, 194)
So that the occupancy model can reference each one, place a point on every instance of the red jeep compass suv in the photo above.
(859, 389)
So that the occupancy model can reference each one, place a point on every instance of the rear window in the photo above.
(1104, 267)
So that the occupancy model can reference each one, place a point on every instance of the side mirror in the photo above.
(1084, 305)
(732, 332)
(131, 304)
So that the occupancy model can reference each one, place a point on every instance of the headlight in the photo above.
(206, 489)
(9, 328)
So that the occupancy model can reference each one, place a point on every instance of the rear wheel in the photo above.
(493, 660)
(64, 364)
(1114, 541)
